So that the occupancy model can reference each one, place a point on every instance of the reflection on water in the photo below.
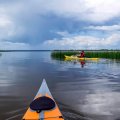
(88, 92)
(81, 62)
(0, 54)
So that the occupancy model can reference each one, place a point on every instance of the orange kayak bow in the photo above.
(43, 107)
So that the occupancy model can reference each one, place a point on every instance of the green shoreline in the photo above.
(108, 54)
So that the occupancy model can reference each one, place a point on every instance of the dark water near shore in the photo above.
(88, 93)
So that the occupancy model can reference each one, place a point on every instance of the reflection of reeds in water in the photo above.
(89, 54)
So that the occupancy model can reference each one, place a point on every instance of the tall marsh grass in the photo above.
(61, 54)
(90, 54)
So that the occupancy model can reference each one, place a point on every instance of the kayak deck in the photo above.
(77, 58)
(53, 114)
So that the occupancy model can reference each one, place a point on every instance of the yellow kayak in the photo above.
(43, 107)
(77, 58)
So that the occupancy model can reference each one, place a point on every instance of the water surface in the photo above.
(89, 92)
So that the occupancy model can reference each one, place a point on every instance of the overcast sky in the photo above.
(59, 24)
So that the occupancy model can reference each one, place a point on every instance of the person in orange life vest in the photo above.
(82, 54)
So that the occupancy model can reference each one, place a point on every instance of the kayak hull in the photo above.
(77, 58)
(53, 114)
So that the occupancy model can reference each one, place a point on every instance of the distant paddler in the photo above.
(82, 54)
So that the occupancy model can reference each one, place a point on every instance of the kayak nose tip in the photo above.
(44, 80)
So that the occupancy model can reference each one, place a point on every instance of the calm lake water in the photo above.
(91, 92)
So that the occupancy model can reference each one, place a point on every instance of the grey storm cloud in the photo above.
(31, 23)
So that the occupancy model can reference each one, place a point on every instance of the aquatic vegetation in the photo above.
(60, 54)
(104, 54)
(113, 54)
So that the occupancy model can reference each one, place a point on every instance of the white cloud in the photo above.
(63, 33)
(8, 26)
(86, 10)
(101, 10)
(85, 42)
(4, 22)
(105, 28)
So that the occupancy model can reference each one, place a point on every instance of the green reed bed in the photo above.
(90, 54)
(104, 54)
(61, 54)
